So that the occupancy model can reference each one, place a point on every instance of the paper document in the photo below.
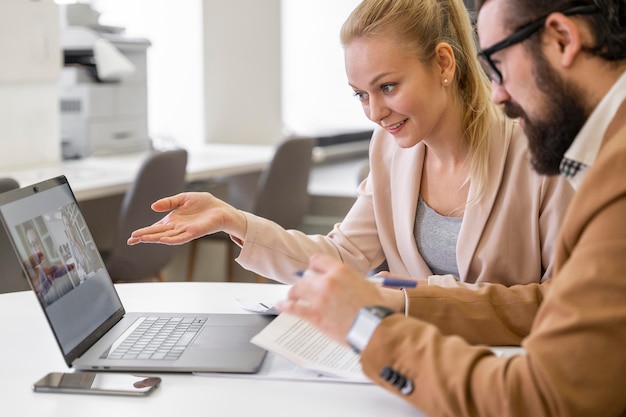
(300, 342)
(315, 355)
(280, 368)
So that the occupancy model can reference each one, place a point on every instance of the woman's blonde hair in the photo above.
(423, 24)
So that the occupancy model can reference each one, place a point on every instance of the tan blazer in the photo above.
(507, 237)
(573, 327)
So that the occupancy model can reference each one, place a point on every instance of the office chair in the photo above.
(281, 194)
(162, 174)
(11, 275)
(7, 184)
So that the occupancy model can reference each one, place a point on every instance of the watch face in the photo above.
(364, 325)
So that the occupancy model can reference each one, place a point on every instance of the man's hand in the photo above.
(329, 295)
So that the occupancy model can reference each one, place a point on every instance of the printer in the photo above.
(102, 87)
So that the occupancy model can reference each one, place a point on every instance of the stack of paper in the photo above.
(301, 343)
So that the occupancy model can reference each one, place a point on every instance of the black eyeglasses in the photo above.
(484, 56)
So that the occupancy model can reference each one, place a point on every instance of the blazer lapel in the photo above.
(477, 215)
(406, 177)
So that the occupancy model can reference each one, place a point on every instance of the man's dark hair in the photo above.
(607, 24)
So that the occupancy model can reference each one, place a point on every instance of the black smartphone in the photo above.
(103, 383)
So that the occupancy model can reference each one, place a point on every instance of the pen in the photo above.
(381, 281)
(392, 282)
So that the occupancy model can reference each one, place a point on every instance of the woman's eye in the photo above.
(360, 95)
(387, 88)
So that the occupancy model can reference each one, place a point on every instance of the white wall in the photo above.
(245, 71)
(175, 63)
(242, 71)
(29, 119)
(213, 68)
(316, 96)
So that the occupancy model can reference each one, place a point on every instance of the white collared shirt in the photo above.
(585, 147)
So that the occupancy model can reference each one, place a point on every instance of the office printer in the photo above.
(102, 88)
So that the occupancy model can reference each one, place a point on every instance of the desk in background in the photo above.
(333, 189)
(104, 176)
(30, 351)
(99, 182)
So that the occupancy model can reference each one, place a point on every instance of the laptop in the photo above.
(66, 272)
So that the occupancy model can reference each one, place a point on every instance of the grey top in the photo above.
(436, 238)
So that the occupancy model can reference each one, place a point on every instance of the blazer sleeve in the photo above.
(271, 251)
(492, 314)
(574, 363)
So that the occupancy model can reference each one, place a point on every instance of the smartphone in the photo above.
(103, 383)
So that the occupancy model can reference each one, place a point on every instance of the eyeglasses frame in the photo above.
(520, 35)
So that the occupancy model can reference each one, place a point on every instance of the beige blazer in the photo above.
(507, 237)
(573, 327)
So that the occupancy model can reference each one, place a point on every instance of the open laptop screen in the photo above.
(63, 265)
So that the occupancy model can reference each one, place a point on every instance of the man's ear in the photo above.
(565, 33)
(445, 60)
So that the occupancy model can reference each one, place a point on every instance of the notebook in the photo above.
(66, 272)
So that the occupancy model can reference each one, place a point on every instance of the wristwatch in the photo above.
(364, 325)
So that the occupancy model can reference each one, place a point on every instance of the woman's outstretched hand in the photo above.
(191, 215)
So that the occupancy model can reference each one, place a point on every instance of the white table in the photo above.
(336, 179)
(103, 176)
(29, 351)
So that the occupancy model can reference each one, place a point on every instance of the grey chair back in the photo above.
(282, 192)
(7, 184)
(12, 277)
(162, 174)
(281, 195)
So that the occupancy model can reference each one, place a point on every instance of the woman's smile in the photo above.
(395, 128)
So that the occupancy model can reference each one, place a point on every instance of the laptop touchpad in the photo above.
(230, 332)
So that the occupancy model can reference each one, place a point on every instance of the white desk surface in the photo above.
(337, 178)
(102, 176)
(29, 351)
(108, 175)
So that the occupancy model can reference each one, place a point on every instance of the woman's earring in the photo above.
(445, 81)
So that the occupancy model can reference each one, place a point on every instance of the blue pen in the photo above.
(392, 282)
(381, 281)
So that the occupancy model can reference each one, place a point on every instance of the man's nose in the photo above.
(499, 93)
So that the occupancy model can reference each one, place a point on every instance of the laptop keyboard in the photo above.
(159, 338)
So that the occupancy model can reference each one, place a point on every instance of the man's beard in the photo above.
(563, 117)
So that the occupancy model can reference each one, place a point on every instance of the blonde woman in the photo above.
(451, 198)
